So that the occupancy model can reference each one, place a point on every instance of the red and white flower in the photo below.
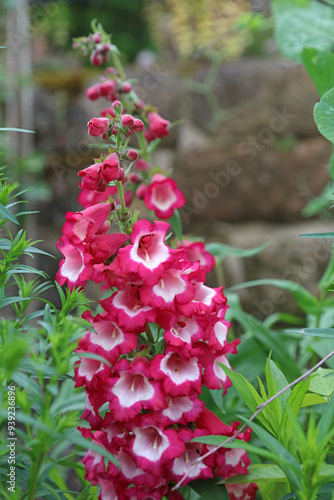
(163, 196)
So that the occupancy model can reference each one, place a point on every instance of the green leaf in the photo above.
(280, 457)
(11, 129)
(320, 384)
(176, 224)
(306, 301)
(300, 24)
(313, 399)
(320, 66)
(324, 115)
(248, 393)
(21, 269)
(318, 235)
(327, 333)
(220, 250)
(74, 437)
(326, 420)
(208, 489)
(293, 406)
(275, 405)
(288, 462)
(257, 473)
(5, 213)
(280, 383)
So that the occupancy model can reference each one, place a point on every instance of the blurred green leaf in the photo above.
(320, 66)
(220, 250)
(327, 333)
(307, 302)
(300, 24)
(5, 213)
(324, 113)
(320, 384)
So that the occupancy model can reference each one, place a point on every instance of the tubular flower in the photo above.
(162, 335)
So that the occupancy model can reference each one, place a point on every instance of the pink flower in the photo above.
(82, 226)
(107, 111)
(142, 165)
(148, 255)
(180, 376)
(109, 340)
(98, 126)
(157, 125)
(134, 390)
(153, 446)
(108, 88)
(162, 196)
(89, 197)
(75, 269)
(110, 169)
(127, 309)
(196, 253)
(127, 121)
(138, 125)
(93, 92)
(91, 179)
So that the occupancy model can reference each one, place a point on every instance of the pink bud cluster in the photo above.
(162, 334)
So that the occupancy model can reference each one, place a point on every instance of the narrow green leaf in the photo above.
(280, 383)
(326, 420)
(5, 213)
(291, 467)
(209, 489)
(304, 298)
(329, 235)
(275, 405)
(257, 473)
(75, 438)
(276, 458)
(247, 392)
(11, 129)
(313, 399)
(327, 333)
(176, 224)
(220, 250)
(292, 407)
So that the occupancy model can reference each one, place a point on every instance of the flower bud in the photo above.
(96, 59)
(117, 105)
(93, 92)
(142, 165)
(138, 125)
(126, 87)
(97, 37)
(98, 126)
(132, 154)
(127, 121)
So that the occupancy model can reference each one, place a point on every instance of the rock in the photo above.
(254, 93)
(271, 185)
(288, 256)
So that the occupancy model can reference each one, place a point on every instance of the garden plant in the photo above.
(136, 393)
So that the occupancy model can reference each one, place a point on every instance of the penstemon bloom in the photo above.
(162, 335)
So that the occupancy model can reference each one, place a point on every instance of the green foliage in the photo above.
(36, 364)
(302, 23)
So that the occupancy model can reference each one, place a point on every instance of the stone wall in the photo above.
(246, 177)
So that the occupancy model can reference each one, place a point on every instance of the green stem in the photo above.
(118, 66)
(149, 334)
(121, 195)
(35, 468)
(143, 146)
